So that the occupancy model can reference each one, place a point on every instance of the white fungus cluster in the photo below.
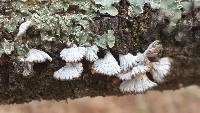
(131, 69)
(34, 56)
(134, 76)
(127, 61)
(73, 56)
(140, 69)
(106, 66)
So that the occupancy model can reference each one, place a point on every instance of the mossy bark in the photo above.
(133, 34)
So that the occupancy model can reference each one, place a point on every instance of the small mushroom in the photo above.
(107, 65)
(34, 56)
(134, 72)
(91, 53)
(136, 79)
(160, 69)
(139, 84)
(142, 59)
(69, 71)
(125, 76)
(23, 28)
(127, 61)
(73, 54)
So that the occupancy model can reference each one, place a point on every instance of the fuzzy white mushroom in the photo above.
(140, 69)
(136, 79)
(107, 66)
(34, 56)
(142, 59)
(91, 53)
(153, 49)
(160, 69)
(137, 85)
(125, 76)
(135, 71)
(69, 71)
(23, 28)
(127, 61)
(73, 54)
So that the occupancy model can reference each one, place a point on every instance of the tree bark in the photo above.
(133, 34)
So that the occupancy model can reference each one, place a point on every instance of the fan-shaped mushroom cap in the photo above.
(73, 54)
(69, 71)
(34, 56)
(37, 56)
(141, 59)
(135, 71)
(91, 53)
(127, 61)
(125, 76)
(107, 66)
(137, 85)
(160, 69)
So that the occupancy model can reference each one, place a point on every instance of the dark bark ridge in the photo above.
(183, 49)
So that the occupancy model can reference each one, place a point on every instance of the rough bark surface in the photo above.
(182, 45)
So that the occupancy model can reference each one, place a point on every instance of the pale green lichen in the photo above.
(171, 8)
(109, 10)
(107, 39)
(6, 47)
(196, 3)
(107, 6)
(22, 49)
(9, 23)
(51, 18)
(56, 23)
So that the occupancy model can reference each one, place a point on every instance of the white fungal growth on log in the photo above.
(37, 56)
(135, 71)
(73, 67)
(127, 61)
(91, 53)
(160, 69)
(135, 78)
(137, 85)
(132, 69)
(23, 28)
(73, 54)
(34, 56)
(106, 66)
(142, 59)
(140, 69)
(126, 75)
(69, 71)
